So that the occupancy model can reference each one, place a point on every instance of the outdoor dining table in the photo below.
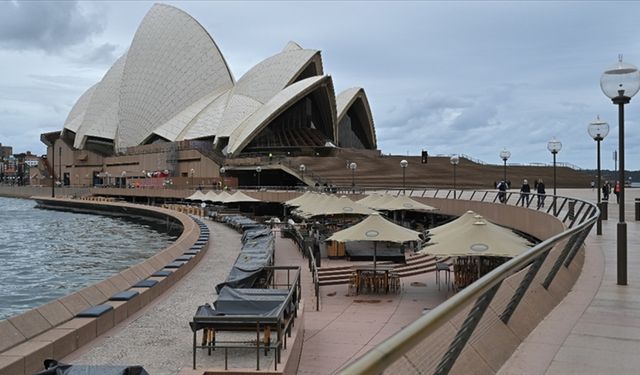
(370, 277)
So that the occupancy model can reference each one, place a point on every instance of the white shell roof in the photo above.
(74, 119)
(208, 121)
(346, 99)
(291, 46)
(262, 82)
(174, 82)
(101, 117)
(172, 63)
(244, 133)
(171, 129)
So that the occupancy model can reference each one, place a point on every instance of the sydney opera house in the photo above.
(171, 103)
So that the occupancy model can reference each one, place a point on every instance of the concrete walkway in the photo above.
(159, 338)
(596, 328)
(347, 326)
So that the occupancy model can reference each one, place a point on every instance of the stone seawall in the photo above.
(55, 330)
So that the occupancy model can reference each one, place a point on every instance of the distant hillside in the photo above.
(377, 170)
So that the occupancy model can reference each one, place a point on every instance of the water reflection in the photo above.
(49, 254)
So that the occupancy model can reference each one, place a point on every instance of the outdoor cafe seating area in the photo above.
(369, 279)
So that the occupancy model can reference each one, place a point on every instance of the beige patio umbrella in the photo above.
(403, 202)
(308, 206)
(238, 197)
(477, 238)
(222, 196)
(298, 201)
(211, 196)
(376, 201)
(371, 199)
(197, 196)
(377, 229)
(466, 218)
(339, 206)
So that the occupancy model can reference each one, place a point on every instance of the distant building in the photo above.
(5, 151)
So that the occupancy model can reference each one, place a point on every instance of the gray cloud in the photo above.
(44, 25)
(105, 55)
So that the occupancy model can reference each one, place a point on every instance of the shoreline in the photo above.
(54, 329)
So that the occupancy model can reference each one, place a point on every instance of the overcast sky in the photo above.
(448, 77)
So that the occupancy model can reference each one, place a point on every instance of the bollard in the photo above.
(637, 209)
(604, 210)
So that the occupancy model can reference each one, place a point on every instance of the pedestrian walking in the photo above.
(502, 191)
(525, 190)
(606, 189)
(541, 193)
(616, 191)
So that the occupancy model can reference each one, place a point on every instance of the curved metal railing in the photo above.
(578, 217)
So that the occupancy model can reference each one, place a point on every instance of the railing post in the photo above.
(466, 330)
(577, 246)
(575, 216)
(563, 255)
(523, 287)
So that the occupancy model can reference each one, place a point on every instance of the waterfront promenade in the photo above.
(595, 329)
(159, 338)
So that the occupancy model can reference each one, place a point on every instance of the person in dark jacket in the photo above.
(525, 190)
(606, 189)
(541, 193)
(502, 191)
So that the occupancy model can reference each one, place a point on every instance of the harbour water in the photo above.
(49, 254)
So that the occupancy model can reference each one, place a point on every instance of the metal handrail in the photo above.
(395, 347)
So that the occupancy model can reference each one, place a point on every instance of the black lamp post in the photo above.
(258, 170)
(454, 161)
(505, 155)
(554, 146)
(620, 83)
(123, 179)
(302, 168)
(403, 165)
(598, 129)
(353, 166)
(192, 173)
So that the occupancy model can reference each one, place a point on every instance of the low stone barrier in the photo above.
(60, 327)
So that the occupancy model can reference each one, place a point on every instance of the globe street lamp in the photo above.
(403, 165)
(302, 168)
(192, 173)
(598, 129)
(505, 155)
(123, 179)
(554, 146)
(353, 167)
(454, 161)
(222, 171)
(620, 83)
(258, 170)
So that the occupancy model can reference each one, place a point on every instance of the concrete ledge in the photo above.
(33, 353)
(9, 335)
(11, 365)
(84, 328)
(63, 341)
(120, 312)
